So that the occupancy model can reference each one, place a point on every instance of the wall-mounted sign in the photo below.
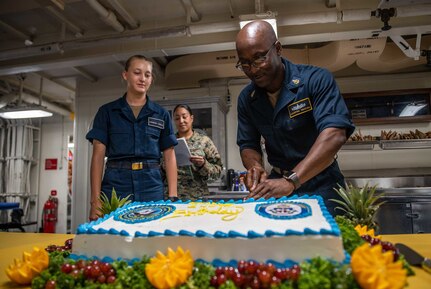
(50, 164)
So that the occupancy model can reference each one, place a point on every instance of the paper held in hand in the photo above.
(182, 153)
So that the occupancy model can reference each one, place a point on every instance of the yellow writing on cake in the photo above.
(228, 212)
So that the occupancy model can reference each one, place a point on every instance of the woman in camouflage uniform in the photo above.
(206, 161)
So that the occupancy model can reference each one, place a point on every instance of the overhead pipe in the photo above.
(190, 9)
(106, 15)
(119, 8)
(410, 11)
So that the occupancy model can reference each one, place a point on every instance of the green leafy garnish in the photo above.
(324, 274)
(351, 238)
(110, 205)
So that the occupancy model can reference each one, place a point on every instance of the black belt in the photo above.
(131, 165)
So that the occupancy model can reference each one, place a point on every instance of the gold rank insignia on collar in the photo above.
(295, 81)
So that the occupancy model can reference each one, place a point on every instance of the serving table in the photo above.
(12, 245)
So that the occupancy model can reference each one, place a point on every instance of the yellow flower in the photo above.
(171, 270)
(23, 271)
(376, 270)
(363, 230)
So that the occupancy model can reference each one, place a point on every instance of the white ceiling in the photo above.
(61, 40)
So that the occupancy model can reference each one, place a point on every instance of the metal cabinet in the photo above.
(404, 215)
(421, 217)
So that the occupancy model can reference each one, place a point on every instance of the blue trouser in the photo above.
(143, 185)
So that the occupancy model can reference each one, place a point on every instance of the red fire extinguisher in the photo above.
(50, 211)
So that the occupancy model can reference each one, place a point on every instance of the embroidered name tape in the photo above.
(155, 122)
(300, 107)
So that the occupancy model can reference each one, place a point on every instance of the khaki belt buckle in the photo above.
(137, 166)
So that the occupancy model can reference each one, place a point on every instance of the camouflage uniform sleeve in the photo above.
(213, 164)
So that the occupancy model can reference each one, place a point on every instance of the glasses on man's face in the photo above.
(256, 63)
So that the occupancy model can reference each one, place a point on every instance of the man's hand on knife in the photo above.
(255, 175)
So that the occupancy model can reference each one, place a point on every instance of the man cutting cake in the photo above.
(300, 114)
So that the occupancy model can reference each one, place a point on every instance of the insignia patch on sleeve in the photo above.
(155, 122)
(300, 107)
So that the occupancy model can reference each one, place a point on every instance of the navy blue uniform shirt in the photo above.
(142, 139)
(309, 102)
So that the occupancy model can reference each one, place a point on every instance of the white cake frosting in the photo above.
(279, 231)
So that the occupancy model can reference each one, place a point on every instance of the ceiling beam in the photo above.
(34, 91)
(15, 31)
(119, 65)
(85, 74)
(78, 32)
(56, 81)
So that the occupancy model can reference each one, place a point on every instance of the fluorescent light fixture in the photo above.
(19, 112)
(268, 17)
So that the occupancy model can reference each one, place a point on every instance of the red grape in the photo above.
(251, 267)
(264, 277)
(294, 274)
(66, 268)
(275, 281)
(81, 264)
(111, 279)
(255, 284)
(75, 274)
(219, 271)
(87, 271)
(95, 272)
(230, 272)
(101, 279)
(105, 267)
(270, 268)
(238, 279)
(111, 272)
(281, 273)
(214, 281)
(50, 284)
(221, 279)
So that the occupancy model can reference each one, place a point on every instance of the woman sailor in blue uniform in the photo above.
(132, 132)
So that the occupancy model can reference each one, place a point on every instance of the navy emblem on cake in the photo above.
(284, 210)
(144, 213)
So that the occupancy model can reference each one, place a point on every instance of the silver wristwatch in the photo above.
(292, 177)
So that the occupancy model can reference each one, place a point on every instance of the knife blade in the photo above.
(414, 258)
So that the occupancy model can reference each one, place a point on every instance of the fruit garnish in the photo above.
(359, 205)
(363, 230)
(23, 271)
(171, 270)
(374, 269)
(250, 274)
